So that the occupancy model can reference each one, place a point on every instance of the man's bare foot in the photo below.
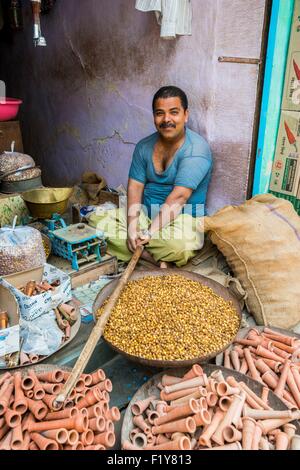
(165, 265)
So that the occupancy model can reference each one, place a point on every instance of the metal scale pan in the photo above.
(216, 287)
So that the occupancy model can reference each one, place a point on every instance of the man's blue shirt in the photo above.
(191, 168)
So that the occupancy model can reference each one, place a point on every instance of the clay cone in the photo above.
(230, 414)
(98, 376)
(181, 444)
(282, 441)
(184, 425)
(186, 384)
(107, 439)
(37, 408)
(87, 437)
(223, 389)
(179, 394)
(59, 435)
(140, 440)
(67, 413)
(235, 360)
(212, 399)
(79, 423)
(202, 418)
(38, 390)
(95, 410)
(231, 434)
(24, 359)
(248, 430)
(56, 376)
(225, 402)
(272, 424)
(140, 406)
(205, 437)
(97, 424)
(4, 378)
(256, 437)
(196, 371)
(17, 442)
(91, 398)
(73, 437)
(141, 423)
(5, 444)
(5, 395)
(49, 401)
(20, 404)
(43, 443)
(13, 418)
(179, 412)
(113, 414)
(170, 380)
(52, 389)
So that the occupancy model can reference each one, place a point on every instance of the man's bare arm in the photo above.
(171, 208)
(134, 203)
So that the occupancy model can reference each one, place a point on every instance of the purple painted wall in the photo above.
(87, 96)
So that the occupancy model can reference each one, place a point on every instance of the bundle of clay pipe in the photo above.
(34, 288)
(270, 358)
(28, 422)
(196, 412)
(66, 317)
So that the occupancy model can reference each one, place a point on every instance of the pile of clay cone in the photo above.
(272, 359)
(28, 422)
(196, 412)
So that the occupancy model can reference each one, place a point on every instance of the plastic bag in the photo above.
(21, 249)
(41, 336)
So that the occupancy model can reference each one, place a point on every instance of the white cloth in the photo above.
(174, 16)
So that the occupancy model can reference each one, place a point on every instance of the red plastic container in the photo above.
(9, 108)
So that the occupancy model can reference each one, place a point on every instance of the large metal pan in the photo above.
(216, 287)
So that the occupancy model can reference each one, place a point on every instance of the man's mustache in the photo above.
(167, 125)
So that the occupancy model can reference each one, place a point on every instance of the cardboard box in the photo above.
(10, 337)
(291, 95)
(286, 168)
(34, 307)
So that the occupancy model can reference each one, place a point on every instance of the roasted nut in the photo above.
(171, 318)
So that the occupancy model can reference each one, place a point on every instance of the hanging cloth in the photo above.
(174, 16)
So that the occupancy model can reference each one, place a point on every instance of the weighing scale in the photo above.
(79, 243)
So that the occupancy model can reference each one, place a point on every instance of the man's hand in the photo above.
(132, 240)
(143, 239)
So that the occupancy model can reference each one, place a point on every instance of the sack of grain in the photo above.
(261, 242)
(21, 249)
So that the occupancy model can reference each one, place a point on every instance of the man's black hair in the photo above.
(171, 92)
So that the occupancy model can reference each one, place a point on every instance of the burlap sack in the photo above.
(261, 242)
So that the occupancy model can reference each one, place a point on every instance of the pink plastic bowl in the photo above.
(9, 108)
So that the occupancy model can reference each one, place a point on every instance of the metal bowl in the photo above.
(215, 286)
(150, 388)
(44, 202)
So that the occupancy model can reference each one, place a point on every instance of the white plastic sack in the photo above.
(41, 336)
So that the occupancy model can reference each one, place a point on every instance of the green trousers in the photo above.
(176, 243)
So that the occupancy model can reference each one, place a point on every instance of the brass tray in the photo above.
(215, 286)
(150, 388)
